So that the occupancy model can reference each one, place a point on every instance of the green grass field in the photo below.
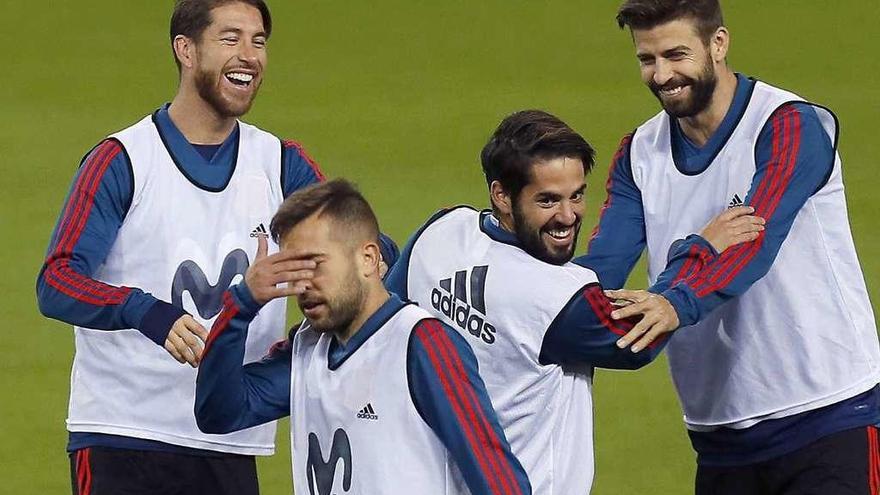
(398, 96)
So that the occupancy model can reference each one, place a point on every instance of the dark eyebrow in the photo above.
(679, 48)
(238, 31)
(547, 195)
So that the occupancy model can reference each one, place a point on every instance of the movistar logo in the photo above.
(320, 473)
(208, 298)
(467, 314)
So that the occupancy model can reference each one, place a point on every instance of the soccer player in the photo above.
(160, 219)
(368, 380)
(537, 322)
(778, 362)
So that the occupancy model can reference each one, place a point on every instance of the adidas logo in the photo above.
(736, 201)
(260, 231)
(367, 413)
(467, 314)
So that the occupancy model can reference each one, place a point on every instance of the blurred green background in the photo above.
(398, 96)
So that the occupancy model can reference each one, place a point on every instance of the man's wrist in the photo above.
(683, 302)
(244, 298)
(158, 320)
(702, 241)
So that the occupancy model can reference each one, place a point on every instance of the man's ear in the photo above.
(719, 44)
(501, 201)
(370, 257)
(184, 50)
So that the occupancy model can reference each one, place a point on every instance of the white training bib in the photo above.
(803, 336)
(184, 245)
(355, 429)
(503, 300)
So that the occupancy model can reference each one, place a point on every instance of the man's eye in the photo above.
(578, 197)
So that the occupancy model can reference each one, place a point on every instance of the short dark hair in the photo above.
(647, 14)
(525, 138)
(337, 199)
(191, 17)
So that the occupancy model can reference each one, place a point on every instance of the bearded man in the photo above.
(160, 220)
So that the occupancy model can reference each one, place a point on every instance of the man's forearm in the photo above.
(229, 396)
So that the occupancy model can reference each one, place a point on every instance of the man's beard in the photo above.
(702, 90)
(207, 87)
(531, 239)
(342, 309)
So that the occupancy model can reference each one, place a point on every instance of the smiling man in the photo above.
(539, 323)
(160, 220)
(778, 361)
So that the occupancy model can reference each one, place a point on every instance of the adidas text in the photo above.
(468, 317)
(260, 231)
(368, 413)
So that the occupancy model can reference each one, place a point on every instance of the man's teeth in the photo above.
(240, 76)
(560, 233)
(672, 91)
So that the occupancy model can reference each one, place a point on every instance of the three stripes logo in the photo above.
(468, 313)
(260, 231)
(368, 413)
(735, 201)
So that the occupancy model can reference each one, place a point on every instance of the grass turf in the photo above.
(398, 96)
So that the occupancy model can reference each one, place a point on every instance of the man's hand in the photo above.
(264, 275)
(734, 226)
(186, 340)
(658, 316)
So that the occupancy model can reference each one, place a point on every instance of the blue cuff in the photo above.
(248, 307)
(683, 300)
(698, 239)
(158, 320)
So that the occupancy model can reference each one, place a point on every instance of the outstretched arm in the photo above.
(686, 256)
(619, 238)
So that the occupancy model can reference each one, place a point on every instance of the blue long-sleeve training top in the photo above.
(93, 212)
(231, 397)
(619, 239)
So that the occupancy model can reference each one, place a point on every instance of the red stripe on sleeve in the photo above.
(59, 274)
(621, 149)
(698, 257)
(686, 267)
(230, 309)
(427, 335)
(785, 146)
(84, 194)
(602, 308)
(67, 281)
(305, 156)
(90, 165)
(485, 429)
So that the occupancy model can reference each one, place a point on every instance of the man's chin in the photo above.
(557, 255)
